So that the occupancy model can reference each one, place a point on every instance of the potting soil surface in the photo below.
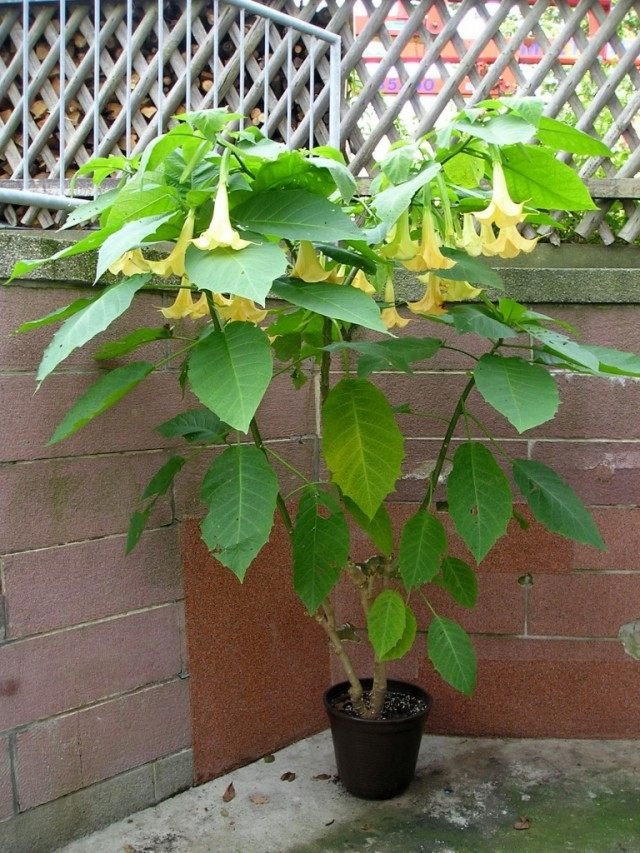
(470, 795)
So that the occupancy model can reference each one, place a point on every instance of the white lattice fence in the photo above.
(406, 65)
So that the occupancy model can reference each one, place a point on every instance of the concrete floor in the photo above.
(468, 797)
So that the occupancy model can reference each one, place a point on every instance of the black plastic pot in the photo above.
(376, 758)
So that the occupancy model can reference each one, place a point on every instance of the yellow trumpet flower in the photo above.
(400, 247)
(220, 233)
(131, 263)
(173, 264)
(429, 256)
(502, 210)
(362, 283)
(239, 308)
(390, 316)
(200, 308)
(470, 241)
(509, 243)
(440, 290)
(182, 306)
(307, 266)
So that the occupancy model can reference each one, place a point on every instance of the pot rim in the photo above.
(393, 683)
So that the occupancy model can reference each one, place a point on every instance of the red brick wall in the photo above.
(92, 662)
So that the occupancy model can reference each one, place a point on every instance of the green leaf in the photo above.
(320, 547)
(340, 174)
(295, 215)
(397, 164)
(404, 644)
(240, 489)
(379, 528)
(332, 300)
(230, 371)
(422, 546)
(562, 346)
(135, 203)
(554, 503)
(209, 122)
(390, 203)
(460, 581)
(137, 338)
(479, 498)
(452, 654)
(529, 107)
(199, 426)
(90, 243)
(100, 397)
(363, 446)
(137, 524)
(479, 320)
(90, 209)
(501, 130)
(391, 354)
(249, 272)
(292, 170)
(561, 137)
(614, 362)
(129, 236)
(89, 322)
(534, 176)
(347, 256)
(526, 394)
(464, 170)
(386, 622)
(470, 269)
(55, 316)
(163, 478)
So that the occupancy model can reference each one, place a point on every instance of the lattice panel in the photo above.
(406, 65)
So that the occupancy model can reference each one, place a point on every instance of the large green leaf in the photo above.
(161, 481)
(363, 446)
(501, 130)
(137, 203)
(526, 394)
(479, 320)
(556, 134)
(199, 426)
(470, 269)
(390, 354)
(554, 503)
(390, 203)
(479, 498)
(292, 170)
(320, 547)
(615, 362)
(340, 175)
(249, 272)
(128, 236)
(386, 621)
(404, 644)
(240, 490)
(534, 176)
(452, 654)
(422, 546)
(90, 243)
(379, 528)
(295, 215)
(332, 300)
(460, 581)
(100, 397)
(89, 210)
(135, 339)
(230, 370)
(559, 344)
(55, 316)
(90, 321)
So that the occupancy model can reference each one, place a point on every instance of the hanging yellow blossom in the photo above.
(400, 247)
(239, 308)
(429, 256)
(307, 266)
(440, 290)
(183, 304)
(362, 283)
(131, 263)
(220, 233)
(509, 243)
(470, 241)
(200, 308)
(173, 264)
(502, 210)
(390, 316)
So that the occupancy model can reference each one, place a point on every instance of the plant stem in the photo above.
(328, 621)
(325, 361)
(287, 465)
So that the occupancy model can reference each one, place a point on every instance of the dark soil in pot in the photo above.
(377, 758)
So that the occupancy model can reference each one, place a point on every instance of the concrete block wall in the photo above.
(96, 720)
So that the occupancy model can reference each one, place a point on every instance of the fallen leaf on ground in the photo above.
(288, 776)
(322, 777)
(269, 759)
(259, 799)
(229, 794)
(522, 823)
(128, 848)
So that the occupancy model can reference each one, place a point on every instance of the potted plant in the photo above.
(244, 218)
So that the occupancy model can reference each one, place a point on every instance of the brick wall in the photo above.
(94, 702)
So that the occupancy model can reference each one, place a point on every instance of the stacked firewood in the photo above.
(44, 146)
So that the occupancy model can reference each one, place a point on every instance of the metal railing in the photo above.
(100, 77)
